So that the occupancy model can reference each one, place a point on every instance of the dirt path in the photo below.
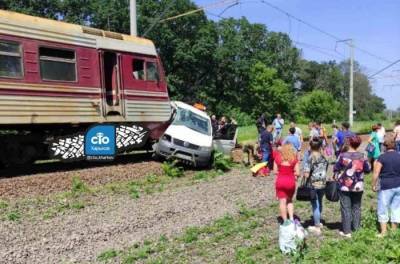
(118, 222)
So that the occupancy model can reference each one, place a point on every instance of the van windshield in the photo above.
(192, 120)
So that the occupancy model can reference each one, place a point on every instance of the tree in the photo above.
(270, 94)
(317, 105)
(366, 104)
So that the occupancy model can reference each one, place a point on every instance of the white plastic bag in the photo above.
(291, 236)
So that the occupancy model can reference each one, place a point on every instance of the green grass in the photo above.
(251, 236)
(248, 134)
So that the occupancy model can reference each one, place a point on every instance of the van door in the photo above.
(111, 82)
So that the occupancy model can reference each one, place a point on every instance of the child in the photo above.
(286, 167)
(315, 165)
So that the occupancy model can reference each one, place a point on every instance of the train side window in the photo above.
(152, 71)
(10, 59)
(57, 64)
(138, 69)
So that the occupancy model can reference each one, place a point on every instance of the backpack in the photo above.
(318, 169)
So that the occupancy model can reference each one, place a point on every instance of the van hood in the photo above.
(186, 134)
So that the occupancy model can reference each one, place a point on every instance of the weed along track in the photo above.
(83, 223)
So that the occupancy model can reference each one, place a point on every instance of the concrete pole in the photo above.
(351, 92)
(133, 17)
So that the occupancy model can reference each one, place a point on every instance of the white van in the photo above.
(188, 138)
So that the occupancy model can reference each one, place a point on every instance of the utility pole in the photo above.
(351, 92)
(349, 42)
(133, 17)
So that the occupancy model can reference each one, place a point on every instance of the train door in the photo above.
(112, 88)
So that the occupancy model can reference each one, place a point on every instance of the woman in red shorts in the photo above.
(286, 167)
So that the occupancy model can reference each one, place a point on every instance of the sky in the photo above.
(374, 25)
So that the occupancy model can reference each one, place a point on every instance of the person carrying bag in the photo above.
(315, 167)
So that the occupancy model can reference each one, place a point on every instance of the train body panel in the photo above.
(55, 75)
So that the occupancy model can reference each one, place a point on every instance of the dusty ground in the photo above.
(43, 179)
(119, 221)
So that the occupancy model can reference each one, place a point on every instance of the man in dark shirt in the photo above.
(387, 169)
(266, 140)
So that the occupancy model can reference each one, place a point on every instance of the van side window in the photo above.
(152, 71)
(57, 64)
(10, 59)
(138, 69)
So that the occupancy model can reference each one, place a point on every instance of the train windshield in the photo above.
(185, 117)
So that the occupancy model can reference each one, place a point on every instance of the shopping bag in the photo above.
(332, 191)
(291, 236)
(287, 238)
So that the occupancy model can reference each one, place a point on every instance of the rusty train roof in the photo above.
(22, 25)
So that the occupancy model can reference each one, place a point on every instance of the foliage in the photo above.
(231, 65)
(318, 105)
(172, 170)
(221, 162)
(107, 255)
(78, 186)
(14, 216)
(242, 118)
(269, 93)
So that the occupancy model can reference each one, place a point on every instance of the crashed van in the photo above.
(188, 138)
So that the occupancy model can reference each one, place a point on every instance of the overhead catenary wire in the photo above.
(213, 5)
(156, 21)
(384, 68)
(321, 30)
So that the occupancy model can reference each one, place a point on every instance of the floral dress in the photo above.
(351, 167)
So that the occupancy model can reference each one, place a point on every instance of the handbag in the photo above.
(332, 191)
(370, 148)
(306, 192)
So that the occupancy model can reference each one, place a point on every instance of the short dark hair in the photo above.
(346, 125)
(355, 141)
(292, 130)
(315, 144)
(379, 124)
(375, 127)
(398, 123)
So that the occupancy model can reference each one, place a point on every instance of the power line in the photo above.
(320, 30)
(213, 5)
(156, 21)
(317, 49)
(384, 68)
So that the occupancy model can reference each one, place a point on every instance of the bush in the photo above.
(317, 105)
(242, 118)
(221, 162)
(171, 170)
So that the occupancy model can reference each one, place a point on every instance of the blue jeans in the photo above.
(265, 155)
(317, 206)
(389, 203)
(398, 146)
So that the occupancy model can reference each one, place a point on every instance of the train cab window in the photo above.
(10, 60)
(57, 64)
(152, 71)
(138, 69)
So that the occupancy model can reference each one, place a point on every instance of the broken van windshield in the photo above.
(192, 120)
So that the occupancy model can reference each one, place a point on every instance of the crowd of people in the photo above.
(290, 160)
(221, 127)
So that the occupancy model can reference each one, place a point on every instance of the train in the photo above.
(58, 79)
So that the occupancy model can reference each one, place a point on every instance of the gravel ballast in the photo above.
(118, 221)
